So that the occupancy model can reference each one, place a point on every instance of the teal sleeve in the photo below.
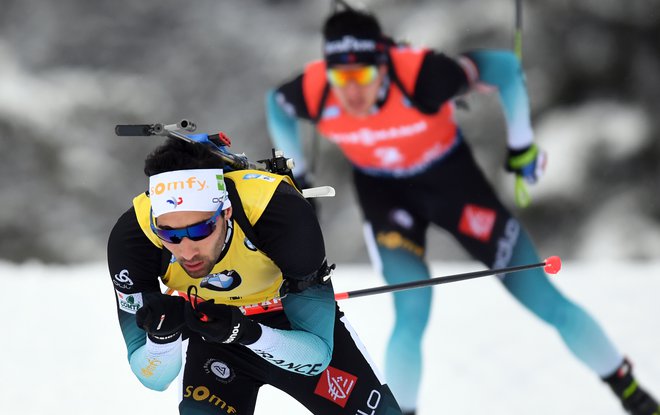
(155, 366)
(134, 337)
(283, 130)
(307, 348)
(502, 69)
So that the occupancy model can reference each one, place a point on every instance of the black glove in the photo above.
(161, 316)
(221, 323)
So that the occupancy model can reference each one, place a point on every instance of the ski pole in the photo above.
(551, 265)
(517, 37)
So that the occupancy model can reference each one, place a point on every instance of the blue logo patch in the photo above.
(251, 176)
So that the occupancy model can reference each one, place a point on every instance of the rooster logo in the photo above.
(175, 201)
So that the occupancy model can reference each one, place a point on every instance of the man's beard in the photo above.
(198, 272)
(207, 262)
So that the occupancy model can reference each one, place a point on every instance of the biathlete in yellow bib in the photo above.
(227, 242)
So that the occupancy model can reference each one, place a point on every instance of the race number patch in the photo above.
(335, 385)
(477, 222)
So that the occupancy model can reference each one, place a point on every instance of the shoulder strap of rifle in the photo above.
(321, 105)
(238, 213)
(408, 94)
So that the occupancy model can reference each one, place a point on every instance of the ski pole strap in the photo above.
(523, 159)
(522, 196)
(517, 163)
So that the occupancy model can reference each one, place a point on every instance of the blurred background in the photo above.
(72, 69)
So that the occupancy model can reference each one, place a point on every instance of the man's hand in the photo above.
(221, 323)
(528, 163)
(161, 316)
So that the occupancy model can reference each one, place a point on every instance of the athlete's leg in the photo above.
(220, 379)
(581, 333)
(486, 229)
(400, 260)
(350, 385)
(395, 237)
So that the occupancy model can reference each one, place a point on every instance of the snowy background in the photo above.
(72, 69)
(484, 353)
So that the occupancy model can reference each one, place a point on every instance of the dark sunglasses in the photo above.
(194, 232)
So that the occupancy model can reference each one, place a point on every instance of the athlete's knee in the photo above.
(543, 299)
(412, 315)
(414, 304)
(567, 316)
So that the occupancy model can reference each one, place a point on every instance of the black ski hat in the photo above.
(353, 36)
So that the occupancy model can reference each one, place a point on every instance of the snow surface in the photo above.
(62, 351)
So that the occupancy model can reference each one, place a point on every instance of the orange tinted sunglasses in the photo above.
(363, 75)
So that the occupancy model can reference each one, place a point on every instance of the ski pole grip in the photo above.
(133, 130)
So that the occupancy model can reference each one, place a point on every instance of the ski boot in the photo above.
(634, 399)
